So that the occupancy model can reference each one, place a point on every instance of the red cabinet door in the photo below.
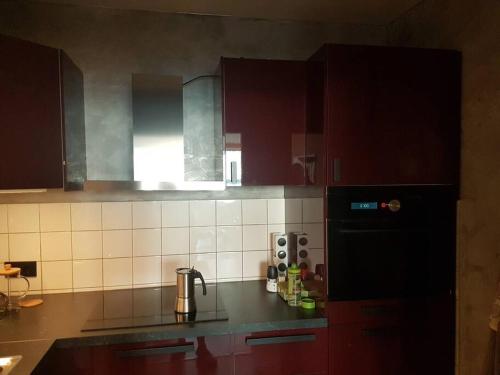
(264, 118)
(290, 352)
(393, 116)
(201, 355)
(365, 348)
(30, 113)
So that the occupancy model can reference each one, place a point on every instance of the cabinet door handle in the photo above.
(156, 351)
(279, 340)
(337, 172)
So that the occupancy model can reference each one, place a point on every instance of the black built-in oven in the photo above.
(391, 242)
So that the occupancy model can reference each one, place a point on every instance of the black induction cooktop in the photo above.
(150, 307)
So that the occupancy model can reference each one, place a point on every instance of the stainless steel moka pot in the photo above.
(184, 301)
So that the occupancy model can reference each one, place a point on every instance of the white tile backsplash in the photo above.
(146, 242)
(255, 263)
(317, 256)
(229, 238)
(57, 275)
(146, 215)
(56, 246)
(4, 227)
(314, 235)
(147, 270)
(55, 217)
(293, 210)
(23, 218)
(175, 214)
(116, 215)
(85, 216)
(4, 247)
(116, 243)
(202, 240)
(201, 213)
(229, 212)
(87, 245)
(175, 241)
(255, 237)
(24, 246)
(87, 273)
(169, 264)
(206, 264)
(312, 210)
(275, 211)
(229, 265)
(254, 211)
(117, 272)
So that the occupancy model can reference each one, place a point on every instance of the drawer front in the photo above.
(282, 352)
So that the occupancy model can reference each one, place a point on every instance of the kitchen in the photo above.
(137, 238)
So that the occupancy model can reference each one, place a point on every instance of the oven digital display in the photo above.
(364, 205)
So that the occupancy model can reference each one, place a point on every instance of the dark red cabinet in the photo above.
(42, 136)
(389, 115)
(264, 118)
(283, 352)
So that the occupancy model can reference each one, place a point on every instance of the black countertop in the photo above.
(60, 319)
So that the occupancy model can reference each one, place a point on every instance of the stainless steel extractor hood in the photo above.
(177, 135)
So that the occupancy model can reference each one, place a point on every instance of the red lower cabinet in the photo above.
(290, 352)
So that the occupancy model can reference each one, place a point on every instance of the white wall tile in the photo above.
(254, 211)
(229, 265)
(24, 246)
(293, 227)
(87, 245)
(146, 242)
(55, 217)
(317, 256)
(275, 211)
(255, 264)
(229, 238)
(116, 243)
(117, 272)
(312, 210)
(229, 212)
(314, 235)
(205, 263)
(85, 216)
(169, 264)
(57, 275)
(274, 228)
(146, 215)
(4, 248)
(117, 215)
(255, 237)
(202, 213)
(293, 210)
(56, 246)
(147, 270)
(4, 227)
(202, 240)
(175, 241)
(87, 273)
(23, 218)
(175, 214)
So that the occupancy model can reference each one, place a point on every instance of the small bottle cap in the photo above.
(294, 269)
(272, 272)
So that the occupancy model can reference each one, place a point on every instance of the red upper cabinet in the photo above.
(264, 119)
(390, 115)
(42, 136)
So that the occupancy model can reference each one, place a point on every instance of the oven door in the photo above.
(368, 261)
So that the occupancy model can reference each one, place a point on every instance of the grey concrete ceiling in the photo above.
(374, 12)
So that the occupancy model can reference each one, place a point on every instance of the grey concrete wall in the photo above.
(472, 26)
(109, 45)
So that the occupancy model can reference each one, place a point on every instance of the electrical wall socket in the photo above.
(28, 269)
